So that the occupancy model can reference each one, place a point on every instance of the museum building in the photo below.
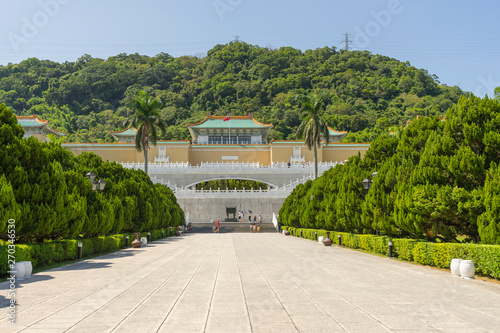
(216, 139)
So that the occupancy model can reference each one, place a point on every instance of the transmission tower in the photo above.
(236, 38)
(346, 42)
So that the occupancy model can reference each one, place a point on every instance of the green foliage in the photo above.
(44, 189)
(489, 221)
(88, 98)
(486, 257)
(146, 119)
(313, 128)
(50, 252)
(436, 180)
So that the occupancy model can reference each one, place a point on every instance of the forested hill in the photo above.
(87, 98)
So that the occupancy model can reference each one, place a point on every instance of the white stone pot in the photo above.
(321, 239)
(455, 267)
(20, 271)
(144, 241)
(28, 268)
(467, 269)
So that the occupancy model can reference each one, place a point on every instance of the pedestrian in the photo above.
(254, 219)
(260, 219)
(249, 216)
(217, 225)
(213, 225)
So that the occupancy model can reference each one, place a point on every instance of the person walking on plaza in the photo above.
(217, 226)
(213, 225)
(249, 215)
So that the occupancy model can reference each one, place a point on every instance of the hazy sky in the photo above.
(456, 40)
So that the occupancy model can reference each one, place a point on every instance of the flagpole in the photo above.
(229, 130)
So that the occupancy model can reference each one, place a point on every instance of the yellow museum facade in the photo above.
(236, 139)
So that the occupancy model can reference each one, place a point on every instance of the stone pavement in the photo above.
(249, 283)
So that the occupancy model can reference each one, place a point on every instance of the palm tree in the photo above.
(146, 120)
(313, 127)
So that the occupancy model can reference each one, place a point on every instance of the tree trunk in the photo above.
(315, 161)
(145, 145)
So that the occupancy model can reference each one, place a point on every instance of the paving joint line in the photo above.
(242, 287)
(141, 280)
(305, 293)
(353, 304)
(36, 322)
(154, 290)
(92, 281)
(272, 289)
(213, 288)
(185, 287)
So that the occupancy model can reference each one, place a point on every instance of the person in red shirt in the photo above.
(217, 226)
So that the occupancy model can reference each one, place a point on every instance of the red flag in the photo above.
(227, 118)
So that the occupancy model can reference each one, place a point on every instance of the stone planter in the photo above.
(28, 268)
(321, 239)
(144, 241)
(467, 269)
(20, 271)
(455, 267)
(327, 241)
(178, 233)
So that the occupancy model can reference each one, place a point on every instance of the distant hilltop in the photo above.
(367, 94)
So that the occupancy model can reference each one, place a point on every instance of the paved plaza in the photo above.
(246, 282)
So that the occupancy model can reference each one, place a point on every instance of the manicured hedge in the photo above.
(486, 257)
(56, 251)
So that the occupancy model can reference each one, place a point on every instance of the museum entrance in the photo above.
(231, 214)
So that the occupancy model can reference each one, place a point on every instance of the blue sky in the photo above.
(456, 40)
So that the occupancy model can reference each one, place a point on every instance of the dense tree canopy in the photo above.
(88, 98)
(435, 179)
(44, 189)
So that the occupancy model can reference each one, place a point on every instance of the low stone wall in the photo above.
(207, 207)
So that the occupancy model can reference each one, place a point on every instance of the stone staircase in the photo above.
(226, 227)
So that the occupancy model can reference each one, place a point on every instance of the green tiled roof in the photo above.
(127, 132)
(30, 123)
(35, 122)
(232, 123)
(335, 133)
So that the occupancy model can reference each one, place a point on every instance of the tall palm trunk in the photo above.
(315, 161)
(145, 145)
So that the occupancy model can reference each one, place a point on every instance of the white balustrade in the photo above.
(211, 167)
(158, 167)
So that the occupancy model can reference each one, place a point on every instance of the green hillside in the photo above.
(368, 94)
